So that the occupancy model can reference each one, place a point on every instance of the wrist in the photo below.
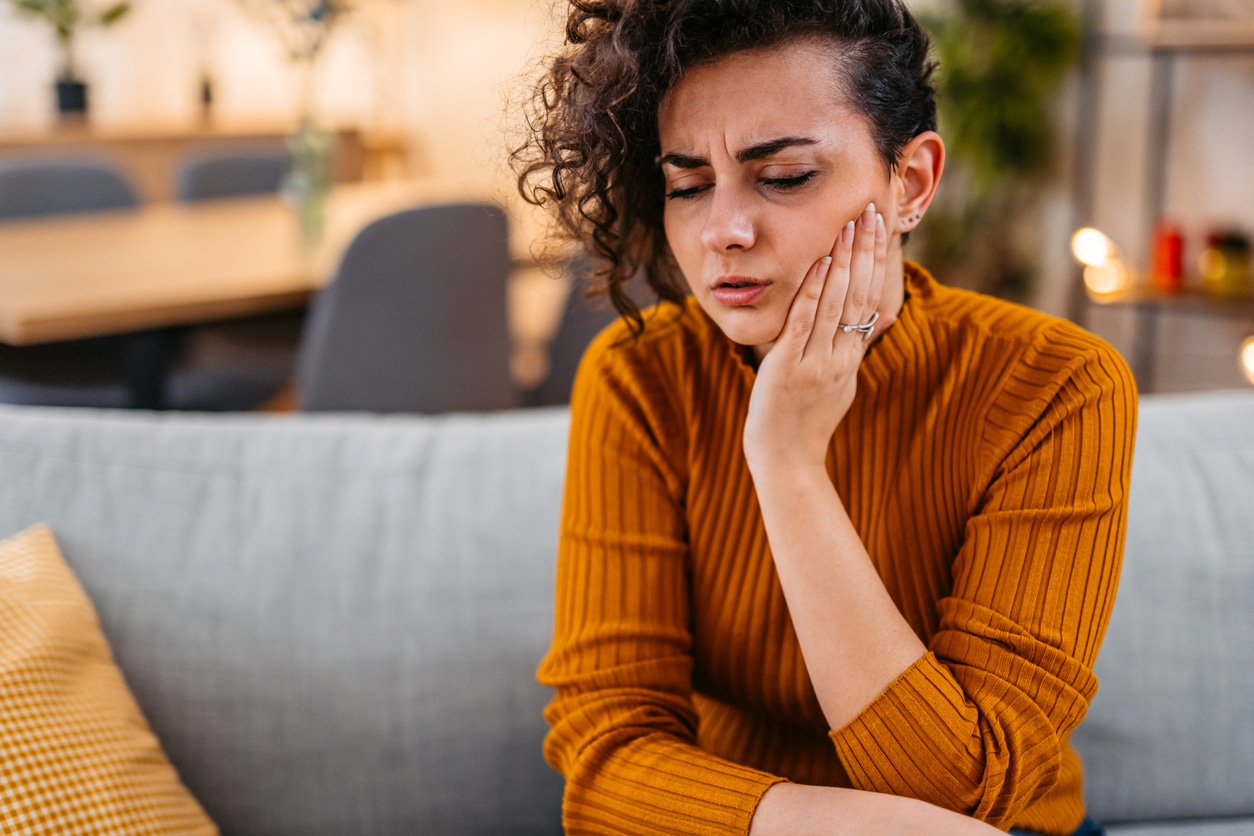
(789, 472)
(799, 810)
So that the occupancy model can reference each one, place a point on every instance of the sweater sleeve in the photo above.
(978, 723)
(622, 722)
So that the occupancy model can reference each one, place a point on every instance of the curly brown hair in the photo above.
(592, 148)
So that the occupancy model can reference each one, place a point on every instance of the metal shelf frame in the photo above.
(1164, 45)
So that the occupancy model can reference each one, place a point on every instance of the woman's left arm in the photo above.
(1009, 672)
(975, 720)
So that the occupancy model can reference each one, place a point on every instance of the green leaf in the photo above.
(115, 13)
(32, 7)
(62, 14)
(1001, 64)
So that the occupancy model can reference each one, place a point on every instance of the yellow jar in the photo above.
(1225, 264)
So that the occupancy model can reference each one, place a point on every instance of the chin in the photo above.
(746, 327)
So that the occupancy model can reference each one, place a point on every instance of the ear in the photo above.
(918, 174)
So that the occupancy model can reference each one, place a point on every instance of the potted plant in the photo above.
(304, 26)
(66, 17)
(1002, 65)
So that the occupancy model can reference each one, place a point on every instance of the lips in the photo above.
(735, 291)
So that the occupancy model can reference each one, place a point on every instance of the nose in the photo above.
(729, 224)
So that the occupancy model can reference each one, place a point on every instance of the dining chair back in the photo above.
(247, 363)
(582, 319)
(416, 317)
(81, 372)
(38, 186)
(210, 175)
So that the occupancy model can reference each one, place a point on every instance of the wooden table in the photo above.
(168, 265)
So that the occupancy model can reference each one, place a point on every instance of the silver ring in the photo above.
(865, 328)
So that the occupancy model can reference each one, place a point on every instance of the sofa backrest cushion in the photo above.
(332, 623)
(1170, 734)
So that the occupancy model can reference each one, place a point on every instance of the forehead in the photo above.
(755, 95)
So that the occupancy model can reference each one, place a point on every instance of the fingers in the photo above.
(799, 325)
(881, 267)
(840, 289)
(866, 269)
(832, 302)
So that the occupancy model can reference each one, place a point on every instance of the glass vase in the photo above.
(309, 177)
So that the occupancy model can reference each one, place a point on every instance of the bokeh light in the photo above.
(1247, 358)
(1106, 277)
(1092, 246)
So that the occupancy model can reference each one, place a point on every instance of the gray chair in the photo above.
(211, 175)
(74, 373)
(415, 319)
(249, 361)
(79, 372)
(235, 365)
(582, 319)
(203, 374)
(39, 186)
(233, 369)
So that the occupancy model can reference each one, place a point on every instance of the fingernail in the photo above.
(879, 228)
(846, 235)
(825, 264)
(870, 216)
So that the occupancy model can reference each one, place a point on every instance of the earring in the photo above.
(911, 220)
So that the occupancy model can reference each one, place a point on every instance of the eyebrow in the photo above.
(754, 152)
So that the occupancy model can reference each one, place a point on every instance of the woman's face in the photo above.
(763, 165)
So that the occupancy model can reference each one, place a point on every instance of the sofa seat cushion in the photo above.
(76, 755)
(1204, 827)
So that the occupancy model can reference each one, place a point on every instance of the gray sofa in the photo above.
(333, 622)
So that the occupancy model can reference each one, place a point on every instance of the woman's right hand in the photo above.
(801, 810)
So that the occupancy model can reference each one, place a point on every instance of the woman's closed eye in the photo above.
(783, 184)
(777, 184)
(686, 192)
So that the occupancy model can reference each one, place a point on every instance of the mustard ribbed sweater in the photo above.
(985, 463)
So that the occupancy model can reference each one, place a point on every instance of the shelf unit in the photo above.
(1165, 43)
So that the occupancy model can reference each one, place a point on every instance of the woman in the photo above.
(838, 544)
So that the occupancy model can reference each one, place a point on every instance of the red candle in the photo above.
(1168, 268)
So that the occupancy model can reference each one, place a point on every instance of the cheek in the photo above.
(685, 244)
(671, 229)
(807, 239)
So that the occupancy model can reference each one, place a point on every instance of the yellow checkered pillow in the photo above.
(76, 755)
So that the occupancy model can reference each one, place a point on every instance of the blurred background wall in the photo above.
(434, 73)
(434, 78)
(1207, 183)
